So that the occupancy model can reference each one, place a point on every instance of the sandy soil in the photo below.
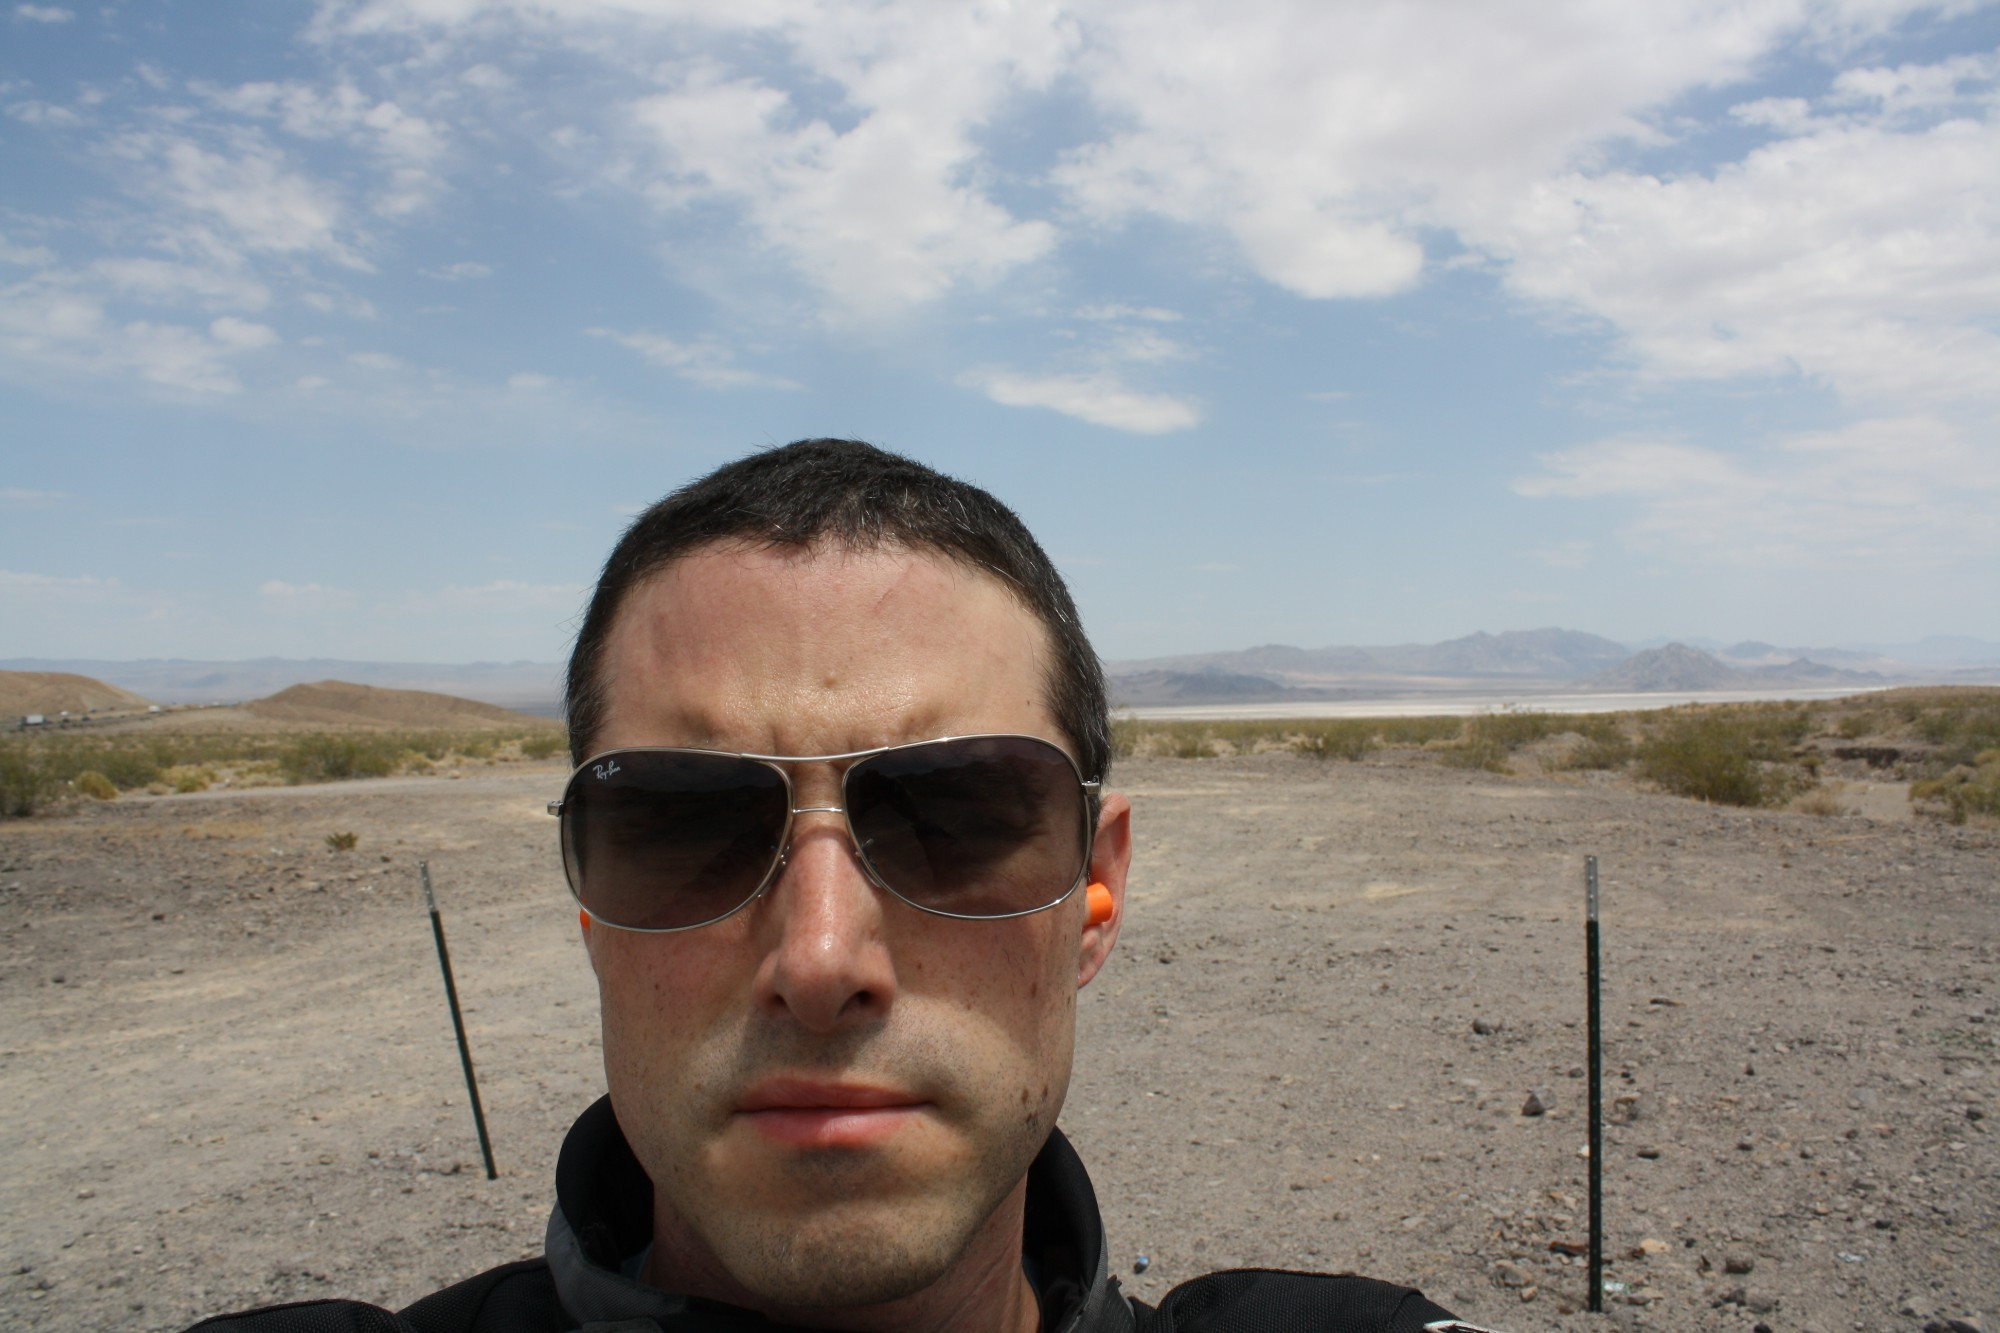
(230, 1076)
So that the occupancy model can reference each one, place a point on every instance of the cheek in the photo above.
(1019, 996)
(650, 995)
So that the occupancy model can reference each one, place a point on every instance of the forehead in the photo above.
(821, 649)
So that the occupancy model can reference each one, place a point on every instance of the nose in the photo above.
(826, 965)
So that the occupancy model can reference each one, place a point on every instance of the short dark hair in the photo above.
(856, 496)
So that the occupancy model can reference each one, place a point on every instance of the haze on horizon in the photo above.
(358, 330)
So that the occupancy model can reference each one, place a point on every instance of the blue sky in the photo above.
(359, 329)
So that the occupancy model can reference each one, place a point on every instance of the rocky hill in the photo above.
(51, 693)
(341, 703)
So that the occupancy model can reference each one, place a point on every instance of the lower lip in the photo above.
(830, 1126)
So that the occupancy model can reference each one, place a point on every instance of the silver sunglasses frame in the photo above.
(1092, 790)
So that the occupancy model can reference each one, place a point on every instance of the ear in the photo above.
(1110, 859)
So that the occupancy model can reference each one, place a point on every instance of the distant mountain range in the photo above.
(1530, 660)
(1523, 661)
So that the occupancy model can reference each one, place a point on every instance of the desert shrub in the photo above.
(543, 745)
(1856, 725)
(1513, 728)
(329, 758)
(1416, 730)
(184, 779)
(1961, 731)
(1824, 801)
(1477, 747)
(1181, 740)
(1969, 789)
(1350, 739)
(1707, 756)
(1603, 745)
(93, 784)
(26, 784)
(342, 842)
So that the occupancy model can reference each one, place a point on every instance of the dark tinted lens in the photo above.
(666, 840)
(987, 826)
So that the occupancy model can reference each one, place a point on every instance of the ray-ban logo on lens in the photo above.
(605, 770)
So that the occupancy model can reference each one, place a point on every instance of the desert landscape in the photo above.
(1343, 1031)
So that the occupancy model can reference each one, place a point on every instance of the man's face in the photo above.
(837, 1095)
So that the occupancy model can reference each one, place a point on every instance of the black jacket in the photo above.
(604, 1212)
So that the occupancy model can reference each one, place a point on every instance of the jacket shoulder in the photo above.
(1264, 1300)
(513, 1298)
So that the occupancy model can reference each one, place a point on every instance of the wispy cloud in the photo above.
(282, 598)
(464, 271)
(1099, 397)
(43, 13)
(28, 499)
(706, 361)
(1908, 493)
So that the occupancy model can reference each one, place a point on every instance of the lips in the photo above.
(808, 1113)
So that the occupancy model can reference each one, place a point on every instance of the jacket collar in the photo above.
(604, 1214)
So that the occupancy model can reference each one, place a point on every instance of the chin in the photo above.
(838, 1260)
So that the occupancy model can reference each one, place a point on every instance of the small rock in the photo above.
(1536, 1104)
(1484, 1027)
(1738, 1263)
(1650, 1153)
(1510, 1274)
(1732, 1296)
(1141, 1263)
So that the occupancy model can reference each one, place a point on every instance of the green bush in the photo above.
(1706, 756)
(94, 784)
(1604, 745)
(1416, 730)
(329, 758)
(1351, 739)
(342, 842)
(544, 745)
(1969, 789)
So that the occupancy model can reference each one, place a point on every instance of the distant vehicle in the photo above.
(34, 720)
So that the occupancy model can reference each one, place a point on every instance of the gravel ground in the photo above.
(231, 1078)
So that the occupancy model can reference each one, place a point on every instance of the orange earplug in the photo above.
(583, 919)
(1101, 906)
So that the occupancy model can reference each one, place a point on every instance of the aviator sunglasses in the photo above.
(661, 838)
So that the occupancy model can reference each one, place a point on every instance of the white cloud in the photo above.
(43, 115)
(25, 256)
(706, 362)
(1117, 313)
(1861, 257)
(251, 192)
(284, 598)
(464, 271)
(27, 499)
(1099, 397)
(409, 147)
(43, 13)
(1906, 493)
(55, 323)
(241, 335)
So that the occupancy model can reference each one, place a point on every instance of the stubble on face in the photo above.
(841, 652)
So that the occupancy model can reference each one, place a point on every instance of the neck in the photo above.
(984, 1290)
